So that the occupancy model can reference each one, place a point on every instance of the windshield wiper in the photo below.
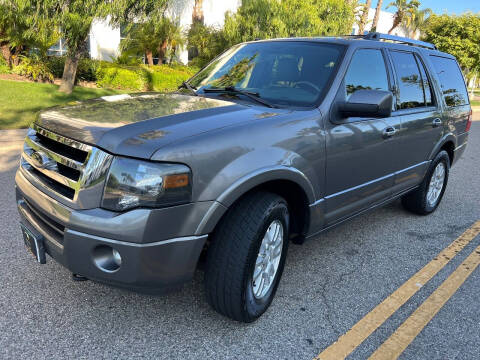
(232, 90)
(186, 85)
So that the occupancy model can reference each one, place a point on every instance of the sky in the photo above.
(440, 6)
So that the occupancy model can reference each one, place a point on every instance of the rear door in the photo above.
(454, 94)
(422, 125)
(361, 157)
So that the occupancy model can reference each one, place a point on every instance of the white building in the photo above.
(104, 39)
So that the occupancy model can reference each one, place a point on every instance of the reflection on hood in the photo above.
(118, 110)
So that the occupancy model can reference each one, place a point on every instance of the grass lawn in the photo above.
(20, 101)
(475, 102)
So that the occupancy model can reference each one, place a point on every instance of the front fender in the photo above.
(257, 167)
(289, 167)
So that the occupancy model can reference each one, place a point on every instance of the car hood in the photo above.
(138, 125)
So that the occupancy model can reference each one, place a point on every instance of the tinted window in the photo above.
(409, 80)
(282, 72)
(451, 81)
(427, 88)
(366, 71)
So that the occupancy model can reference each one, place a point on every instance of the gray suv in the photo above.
(273, 141)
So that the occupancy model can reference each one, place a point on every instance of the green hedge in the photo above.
(142, 78)
(122, 77)
(34, 69)
(86, 71)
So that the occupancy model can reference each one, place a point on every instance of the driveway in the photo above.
(330, 284)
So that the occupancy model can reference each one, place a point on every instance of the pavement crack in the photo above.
(329, 312)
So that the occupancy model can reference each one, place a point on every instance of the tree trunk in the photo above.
(69, 73)
(364, 19)
(161, 52)
(377, 15)
(6, 53)
(396, 21)
(149, 56)
(197, 15)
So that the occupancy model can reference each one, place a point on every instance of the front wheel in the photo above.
(426, 198)
(246, 257)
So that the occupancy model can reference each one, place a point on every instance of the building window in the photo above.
(59, 49)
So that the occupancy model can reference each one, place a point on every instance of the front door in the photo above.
(362, 153)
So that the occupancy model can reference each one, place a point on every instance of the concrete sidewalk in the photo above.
(11, 142)
(14, 135)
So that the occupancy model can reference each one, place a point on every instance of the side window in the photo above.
(367, 71)
(427, 88)
(451, 80)
(409, 80)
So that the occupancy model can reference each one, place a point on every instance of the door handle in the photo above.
(436, 122)
(389, 132)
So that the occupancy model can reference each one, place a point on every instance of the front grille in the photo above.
(63, 166)
(65, 150)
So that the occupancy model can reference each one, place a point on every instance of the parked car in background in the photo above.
(273, 141)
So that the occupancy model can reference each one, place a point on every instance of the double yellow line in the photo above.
(404, 335)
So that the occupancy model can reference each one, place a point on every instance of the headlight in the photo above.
(135, 183)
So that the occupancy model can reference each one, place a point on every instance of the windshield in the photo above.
(292, 73)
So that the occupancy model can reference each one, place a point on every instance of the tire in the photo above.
(418, 201)
(234, 251)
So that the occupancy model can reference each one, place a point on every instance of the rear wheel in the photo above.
(246, 257)
(426, 198)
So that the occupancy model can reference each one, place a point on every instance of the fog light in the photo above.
(106, 258)
(116, 257)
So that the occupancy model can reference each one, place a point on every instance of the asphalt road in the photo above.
(329, 284)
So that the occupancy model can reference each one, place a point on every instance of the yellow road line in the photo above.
(375, 318)
(404, 335)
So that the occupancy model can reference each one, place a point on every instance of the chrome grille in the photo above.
(65, 168)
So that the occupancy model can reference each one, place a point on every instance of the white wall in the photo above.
(104, 40)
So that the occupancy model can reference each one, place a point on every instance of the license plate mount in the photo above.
(34, 244)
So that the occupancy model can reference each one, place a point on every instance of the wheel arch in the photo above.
(287, 182)
(447, 143)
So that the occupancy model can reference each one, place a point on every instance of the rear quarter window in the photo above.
(453, 86)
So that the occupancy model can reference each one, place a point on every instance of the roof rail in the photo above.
(403, 40)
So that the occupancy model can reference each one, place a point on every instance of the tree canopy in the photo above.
(457, 35)
(272, 18)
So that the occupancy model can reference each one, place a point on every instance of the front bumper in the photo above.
(151, 261)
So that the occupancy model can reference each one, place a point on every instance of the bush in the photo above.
(116, 76)
(126, 59)
(168, 78)
(205, 43)
(86, 71)
(55, 65)
(4, 69)
(141, 78)
(34, 69)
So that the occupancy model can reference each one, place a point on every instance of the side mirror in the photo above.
(367, 103)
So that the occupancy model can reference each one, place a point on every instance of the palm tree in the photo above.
(155, 36)
(197, 15)
(172, 37)
(364, 18)
(377, 15)
(417, 20)
(404, 10)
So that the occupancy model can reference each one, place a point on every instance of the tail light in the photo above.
(469, 122)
